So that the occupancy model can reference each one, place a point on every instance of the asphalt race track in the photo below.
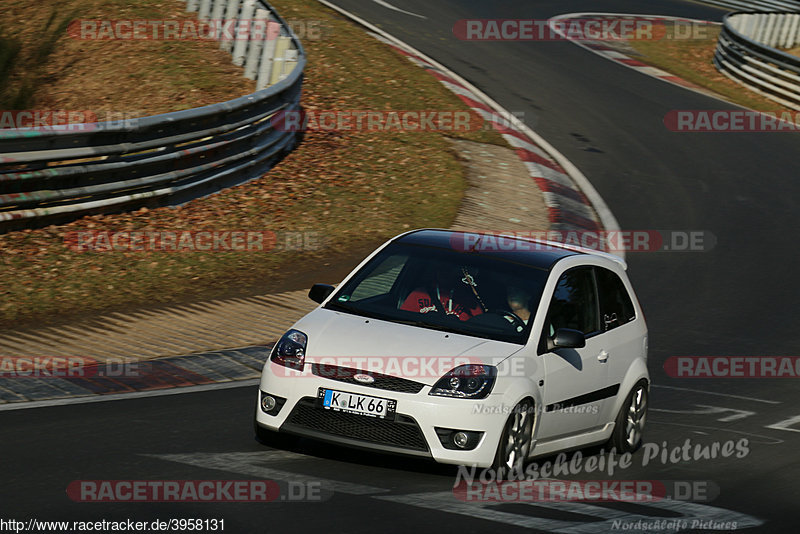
(736, 299)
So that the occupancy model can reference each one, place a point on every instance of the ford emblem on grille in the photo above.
(364, 379)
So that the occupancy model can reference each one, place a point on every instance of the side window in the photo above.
(616, 307)
(574, 303)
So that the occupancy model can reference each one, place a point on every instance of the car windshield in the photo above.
(468, 293)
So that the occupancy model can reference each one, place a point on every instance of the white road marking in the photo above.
(390, 6)
(771, 441)
(457, 89)
(613, 54)
(255, 464)
(566, 203)
(537, 170)
(654, 71)
(784, 425)
(133, 395)
(710, 410)
(251, 464)
(516, 142)
(717, 394)
(606, 517)
(418, 62)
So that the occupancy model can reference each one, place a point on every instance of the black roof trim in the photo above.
(538, 254)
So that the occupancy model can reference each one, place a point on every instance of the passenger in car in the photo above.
(453, 293)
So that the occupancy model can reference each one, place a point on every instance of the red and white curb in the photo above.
(571, 200)
(568, 208)
(191, 373)
(602, 49)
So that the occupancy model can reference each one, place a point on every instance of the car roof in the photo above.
(538, 253)
(510, 249)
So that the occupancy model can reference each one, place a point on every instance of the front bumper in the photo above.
(412, 432)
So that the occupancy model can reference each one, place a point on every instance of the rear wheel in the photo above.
(515, 442)
(629, 427)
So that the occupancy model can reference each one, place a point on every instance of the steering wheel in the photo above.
(517, 323)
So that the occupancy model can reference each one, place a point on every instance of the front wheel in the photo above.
(515, 442)
(629, 427)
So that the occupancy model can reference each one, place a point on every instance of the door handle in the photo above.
(603, 356)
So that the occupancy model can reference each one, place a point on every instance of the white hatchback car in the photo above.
(466, 348)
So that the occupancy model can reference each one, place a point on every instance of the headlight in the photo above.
(290, 350)
(466, 381)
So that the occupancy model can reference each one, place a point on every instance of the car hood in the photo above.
(416, 353)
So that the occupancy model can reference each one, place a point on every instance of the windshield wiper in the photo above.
(338, 306)
(432, 326)
(345, 308)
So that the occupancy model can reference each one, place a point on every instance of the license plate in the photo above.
(342, 401)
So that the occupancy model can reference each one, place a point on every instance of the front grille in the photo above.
(403, 432)
(386, 382)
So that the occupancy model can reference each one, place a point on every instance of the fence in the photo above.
(757, 5)
(747, 53)
(53, 175)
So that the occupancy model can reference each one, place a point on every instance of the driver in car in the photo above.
(454, 291)
(518, 299)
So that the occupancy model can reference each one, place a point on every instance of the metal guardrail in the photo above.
(746, 52)
(757, 5)
(58, 174)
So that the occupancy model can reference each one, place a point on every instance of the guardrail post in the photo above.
(257, 37)
(736, 24)
(246, 26)
(265, 64)
(772, 31)
(281, 46)
(784, 24)
(794, 32)
(758, 27)
(780, 24)
(749, 30)
(231, 18)
(205, 9)
(289, 61)
(217, 13)
(768, 22)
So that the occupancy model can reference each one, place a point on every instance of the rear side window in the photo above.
(616, 308)
(574, 303)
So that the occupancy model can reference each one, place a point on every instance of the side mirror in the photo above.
(567, 338)
(319, 292)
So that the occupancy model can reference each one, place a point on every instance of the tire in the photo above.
(629, 427)
(515, 441)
